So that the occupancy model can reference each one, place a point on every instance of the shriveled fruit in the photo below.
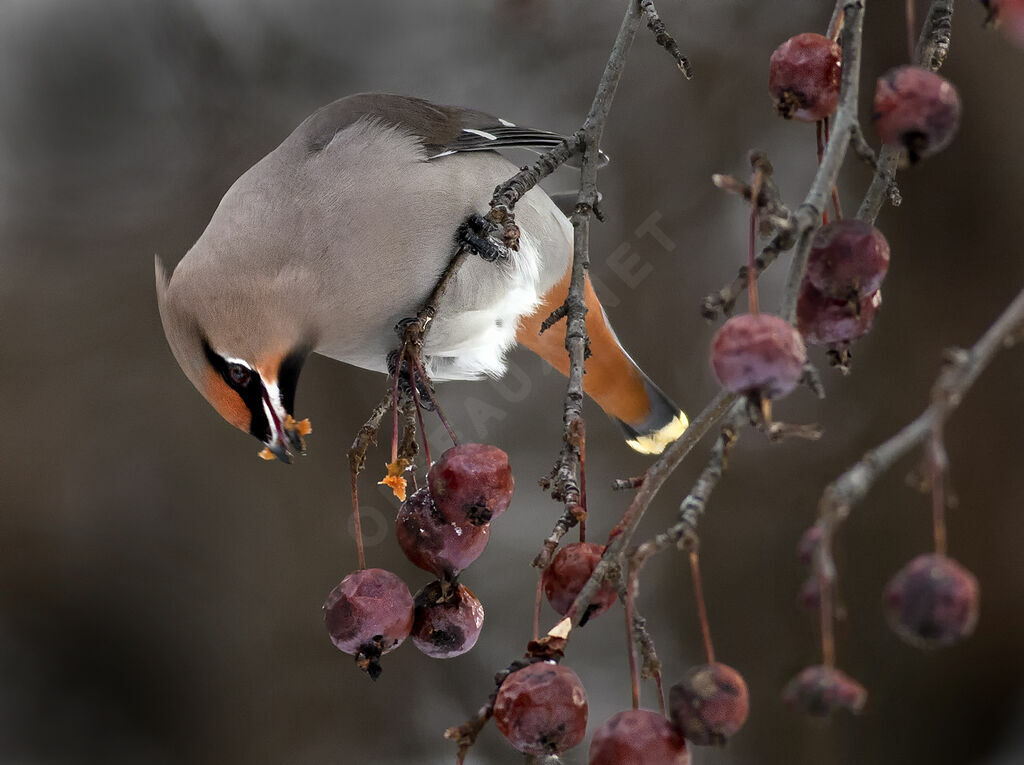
(471, 483)
(916, 109)
(758, 353)
(835, 323)
(569, 571)
(849, 259)
(369, 614)
(818, 690)
(446, 626)
(638, 737)
(709, 704)
(433, 541)
(542, 709)
(804, 76)
(933, 601)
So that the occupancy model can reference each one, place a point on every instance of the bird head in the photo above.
(246, 366)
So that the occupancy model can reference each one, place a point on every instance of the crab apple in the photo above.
(803, 77)
(818, 690)
(369, 614)
(446, 625)
(569, 571)
(638, 737)
(849, 258)
(835, 323)
(709, 704)
(932, 601)
(471, 483)
(758, 353)
(916, 109)
(434, 542)
(542, 709)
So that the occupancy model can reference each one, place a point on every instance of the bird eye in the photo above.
(239, 374)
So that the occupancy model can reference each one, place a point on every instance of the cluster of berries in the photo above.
(542, 710)
(442, 528)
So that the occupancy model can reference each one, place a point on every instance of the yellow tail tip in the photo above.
(655, 443)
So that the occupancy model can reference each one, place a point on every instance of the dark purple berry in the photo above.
(807, 547)
(569, 571)
(932, 601)
(849, 258)
(368, 615)
(916, 109)
(809, 594)
(638, 737)
(835, 323)
(803, 77)
(819, 690)
(472, 483)
(542, 709)
(709, 704)
(446, 626)
(435, 543)
(760, 354)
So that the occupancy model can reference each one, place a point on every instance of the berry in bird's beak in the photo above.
(287, 434)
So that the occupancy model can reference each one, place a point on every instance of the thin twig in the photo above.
(663, 38)
(839, 497)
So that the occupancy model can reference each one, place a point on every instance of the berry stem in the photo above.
(536, 605)
(755, 193)
(422, 373)
(419, 418)
(394, 406)
(937, 462)
(357, 522)
(702, 612)
(583, 481)
(634, 674)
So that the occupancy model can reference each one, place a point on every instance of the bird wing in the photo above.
(443, 130)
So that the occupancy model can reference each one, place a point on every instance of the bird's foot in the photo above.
(492, 236)
(412, 372)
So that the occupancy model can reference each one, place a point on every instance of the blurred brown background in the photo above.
(160, 587)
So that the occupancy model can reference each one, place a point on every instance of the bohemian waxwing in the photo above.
(343, 230)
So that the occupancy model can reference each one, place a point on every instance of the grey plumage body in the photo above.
(338, 234)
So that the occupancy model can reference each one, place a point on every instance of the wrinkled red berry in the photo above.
(709, 704)
(1009, 16)
(932, 601)
(542, 709)
(916, 109)
(638, 737)
(369, 614)
(568, 573)
(471, 482)
(835, 323)
(758, 354)
(819, 690)
(804, 74)
(446, 626)
(849, 258)
(435, 543)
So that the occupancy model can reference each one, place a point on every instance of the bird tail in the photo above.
(648, 418)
